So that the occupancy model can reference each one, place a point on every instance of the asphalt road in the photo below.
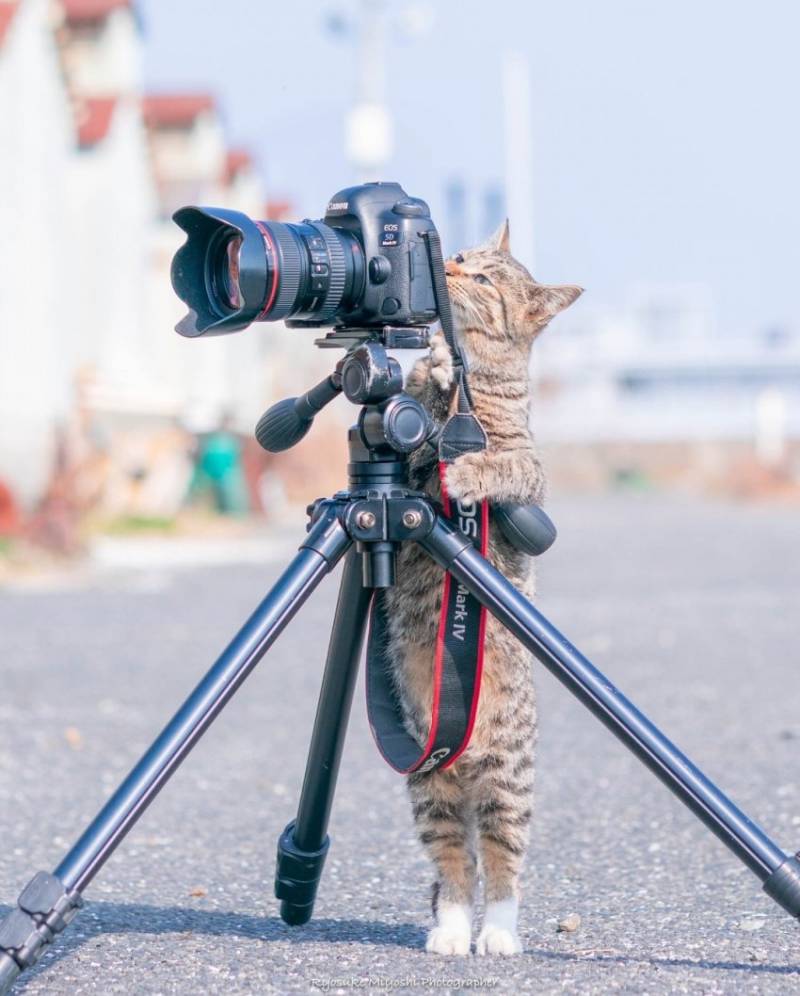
(690, 608)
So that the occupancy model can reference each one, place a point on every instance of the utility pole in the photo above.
(456, 211)
(518, 146)
(493, 209)
(368, 125)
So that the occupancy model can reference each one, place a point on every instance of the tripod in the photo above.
(365, 526)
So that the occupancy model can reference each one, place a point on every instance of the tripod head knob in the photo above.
(401, 423)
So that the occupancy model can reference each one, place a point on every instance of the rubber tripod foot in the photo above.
(297, 877)
(295, 915)
(783, 885)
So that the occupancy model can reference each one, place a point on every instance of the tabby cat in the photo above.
(473, 817)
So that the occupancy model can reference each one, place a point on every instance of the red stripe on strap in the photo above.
(439, 656)
(481, 640)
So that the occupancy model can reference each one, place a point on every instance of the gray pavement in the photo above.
(691, 608)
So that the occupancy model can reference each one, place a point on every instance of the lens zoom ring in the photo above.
(288, 271)
(338, 273)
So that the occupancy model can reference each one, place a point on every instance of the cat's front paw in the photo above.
(468, 478)
(441, 369)
(495, 940)
(448, 940)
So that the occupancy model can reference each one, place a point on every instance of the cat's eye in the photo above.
(481, 279)
(458, 258)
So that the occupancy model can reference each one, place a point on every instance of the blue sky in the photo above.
(666, 135)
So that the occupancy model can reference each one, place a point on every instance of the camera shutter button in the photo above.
(380, 269)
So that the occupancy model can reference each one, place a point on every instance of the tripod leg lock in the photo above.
(324, 530)
(783, 885)
(44, 909)
(297, 877)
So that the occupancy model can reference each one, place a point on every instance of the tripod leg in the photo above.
(303, 845)
(49, 902)
(779, 872)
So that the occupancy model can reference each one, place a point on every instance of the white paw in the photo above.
(453, 930)
(499, 935)
(498, 941)
(448, 941)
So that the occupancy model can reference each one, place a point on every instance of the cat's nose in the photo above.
(451, 268)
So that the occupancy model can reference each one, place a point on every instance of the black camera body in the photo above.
(364, 266)
(389, 225)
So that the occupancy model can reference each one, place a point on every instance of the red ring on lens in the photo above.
(273, 293)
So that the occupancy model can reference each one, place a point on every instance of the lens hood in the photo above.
(196, 270)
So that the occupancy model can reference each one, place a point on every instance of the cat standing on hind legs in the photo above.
(474, 816)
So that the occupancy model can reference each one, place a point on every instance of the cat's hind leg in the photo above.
(445, 824)
(503, 798)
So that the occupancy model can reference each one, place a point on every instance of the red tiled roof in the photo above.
(236, 161)
(94, 119)
(7, 11)
(78, 11)
(175, 110)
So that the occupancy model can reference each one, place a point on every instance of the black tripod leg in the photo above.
(49, 902)
(304, 843)
(779, 872)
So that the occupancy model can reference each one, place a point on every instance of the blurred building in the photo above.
(91, 168)
(655, 387)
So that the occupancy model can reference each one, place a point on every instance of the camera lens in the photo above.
(232, 271)
(229, 289)
(223, 271)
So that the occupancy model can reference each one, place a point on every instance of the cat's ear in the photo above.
(500, 241)
(549, 299)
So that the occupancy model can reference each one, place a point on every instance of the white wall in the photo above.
(112, 213)
(85, 255)
(35, 251)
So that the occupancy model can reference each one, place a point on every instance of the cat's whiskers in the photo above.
(461, 298)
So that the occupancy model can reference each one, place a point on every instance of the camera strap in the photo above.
(458, 655)
(457, 666)
(462, 433)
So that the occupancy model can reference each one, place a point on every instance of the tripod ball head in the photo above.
(367, 376)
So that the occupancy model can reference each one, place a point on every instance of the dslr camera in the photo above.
(365, 266)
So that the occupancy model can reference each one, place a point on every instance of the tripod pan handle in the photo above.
(285, 423)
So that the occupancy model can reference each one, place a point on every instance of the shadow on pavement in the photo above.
(121, 918)
(600, 958)
(116, 918)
